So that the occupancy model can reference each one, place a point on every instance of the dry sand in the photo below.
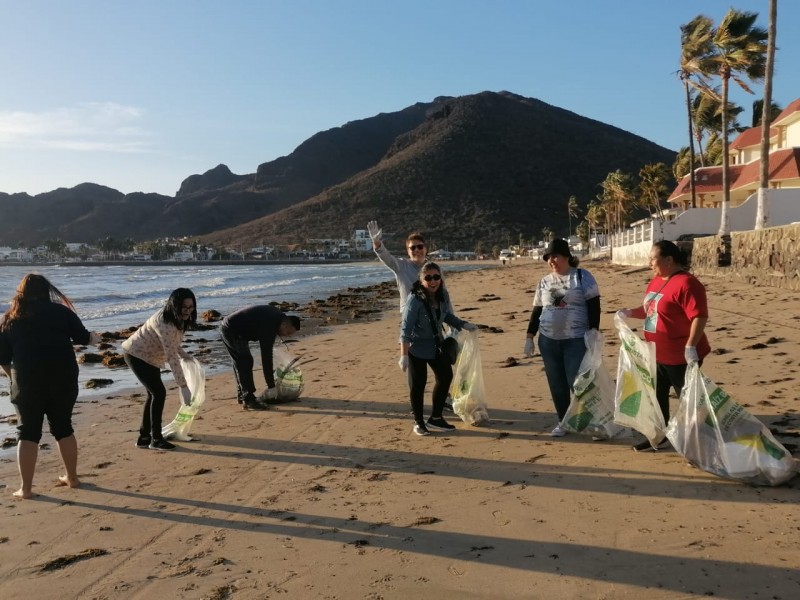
(334, 497)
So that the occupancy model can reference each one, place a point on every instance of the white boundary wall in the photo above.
(784, 209)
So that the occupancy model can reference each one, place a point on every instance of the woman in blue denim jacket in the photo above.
(421, 337)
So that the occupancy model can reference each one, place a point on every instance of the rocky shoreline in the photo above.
(353, 304)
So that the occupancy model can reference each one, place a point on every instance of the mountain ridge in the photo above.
(483, 167)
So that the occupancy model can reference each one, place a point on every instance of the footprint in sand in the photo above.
(500, 519)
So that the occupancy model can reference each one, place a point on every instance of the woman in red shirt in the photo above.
(675, 313)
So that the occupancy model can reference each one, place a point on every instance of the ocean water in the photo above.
(115, 297)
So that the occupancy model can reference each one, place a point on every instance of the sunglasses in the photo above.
(432, 277)
(417, 247)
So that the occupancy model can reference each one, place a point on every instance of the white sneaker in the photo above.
(558, 432)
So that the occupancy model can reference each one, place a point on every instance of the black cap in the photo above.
(558, 246)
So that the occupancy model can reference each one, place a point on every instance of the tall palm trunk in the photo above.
(691, 144)
(762, 210)
(724, 220)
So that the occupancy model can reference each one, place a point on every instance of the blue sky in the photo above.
(138, 95)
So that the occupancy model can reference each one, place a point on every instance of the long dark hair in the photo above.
(171, 313)
(670, 249)
(33, 288)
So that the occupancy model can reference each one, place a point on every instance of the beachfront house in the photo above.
(362, 240)
(680, 221)
(15, 254)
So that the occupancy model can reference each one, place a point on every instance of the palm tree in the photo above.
(739, 51)
(696, 38)
(762, 209)
(595, 216)
(708, 119)
(572, 211)
(758, 105)
(653, 185)
(617, 198)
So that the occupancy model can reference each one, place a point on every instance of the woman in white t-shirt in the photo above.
(566, 305)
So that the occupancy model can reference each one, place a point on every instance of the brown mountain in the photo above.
(204, 203)
(486, 167)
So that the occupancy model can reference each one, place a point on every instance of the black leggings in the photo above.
(150, 377)
(50, 390)
(417, 378)
(669, 376)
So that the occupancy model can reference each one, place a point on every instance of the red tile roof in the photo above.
(750, 137)
(794, 107)
(783, 164)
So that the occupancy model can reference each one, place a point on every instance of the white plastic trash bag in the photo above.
(179, 428)
(718, 435)
(467, 390)
(591, 408)
(635, 403)
(288, 376)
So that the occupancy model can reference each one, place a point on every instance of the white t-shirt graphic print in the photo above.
(563, 301)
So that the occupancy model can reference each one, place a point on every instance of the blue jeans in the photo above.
(561, 358)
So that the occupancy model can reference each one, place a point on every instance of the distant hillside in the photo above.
(484, 167)
(204, 203)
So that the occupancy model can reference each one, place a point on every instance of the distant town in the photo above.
(359, 247)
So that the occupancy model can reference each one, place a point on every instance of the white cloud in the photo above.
(89, 127)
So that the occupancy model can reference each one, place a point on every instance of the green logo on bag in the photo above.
(583, 389)
(630, 405)
(770, 448)
(580, 421)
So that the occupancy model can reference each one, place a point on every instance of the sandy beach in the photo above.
(334, 497)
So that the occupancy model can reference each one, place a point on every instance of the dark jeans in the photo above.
(45, 391)
(239, 350)
(562, 359)
(418, 377)
(150, 377)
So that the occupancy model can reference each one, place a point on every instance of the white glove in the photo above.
(690, 355)
(625, 313)
(186, 396)
(374, 231)
(591, 337)
(272, 393)
(528, 350)
(403, 363)
(469, 327)
(95, 338)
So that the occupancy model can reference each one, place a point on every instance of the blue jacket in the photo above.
(418, 331)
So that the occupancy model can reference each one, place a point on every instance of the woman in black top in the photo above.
(36, 337)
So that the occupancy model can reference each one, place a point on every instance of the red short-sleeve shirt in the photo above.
(670, 308)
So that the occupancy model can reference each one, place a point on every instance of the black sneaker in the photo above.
(253, 404)
(646, 446)
(143, 441)
(161, 444)
(448, 405)
(440, 424)
(420, 429)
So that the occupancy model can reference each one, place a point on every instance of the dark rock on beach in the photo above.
(211, 316)
(98, 383)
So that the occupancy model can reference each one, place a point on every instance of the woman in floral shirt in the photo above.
(156, 342)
